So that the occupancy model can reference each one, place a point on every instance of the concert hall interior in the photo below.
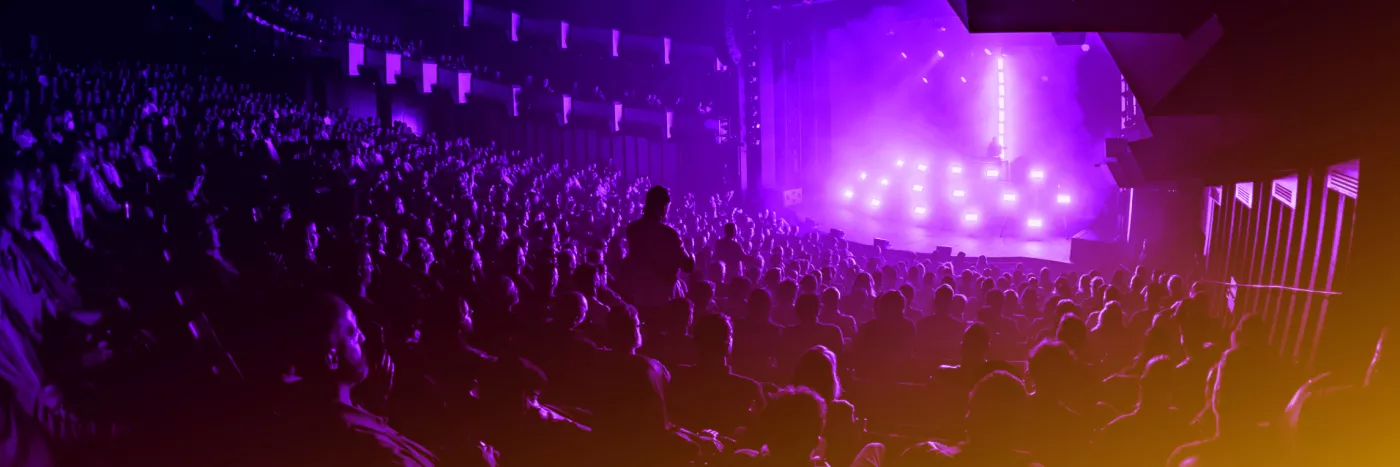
(684, 233)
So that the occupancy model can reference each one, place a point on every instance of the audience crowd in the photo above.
(198, 273)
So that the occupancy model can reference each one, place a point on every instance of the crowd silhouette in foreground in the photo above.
(196, 273)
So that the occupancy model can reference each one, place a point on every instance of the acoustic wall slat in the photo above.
(1308, 189)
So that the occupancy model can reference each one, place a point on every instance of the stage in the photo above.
(862, 227)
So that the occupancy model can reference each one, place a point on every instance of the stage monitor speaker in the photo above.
(1122, 164)
(942, 253)
(1069, 38)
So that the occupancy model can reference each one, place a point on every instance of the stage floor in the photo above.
(861, 227)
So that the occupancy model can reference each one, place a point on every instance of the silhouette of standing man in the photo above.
(655, 254)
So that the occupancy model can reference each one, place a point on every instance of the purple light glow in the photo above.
(885, 181)
(923, 167)
(918, 188)
(920, 210)
(899, 163)
(849, 194)
(875, 202)
(862, 175)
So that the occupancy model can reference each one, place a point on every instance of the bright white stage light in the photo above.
(875, 202)
(903, 55)
(920, 210)
(940, 54)
(993, 173)
(988, 51)
(957, 169)
(1062, 199)
(970, 217)
(884, 181)
(923, 168)
(862, 175)
(959, 193)
(899, 163)
(1008, 197)
(1037, 174)
(925, 80)
(849, 194)
(918, 188)
(1034, 222)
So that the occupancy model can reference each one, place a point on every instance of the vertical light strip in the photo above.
(1001, 105)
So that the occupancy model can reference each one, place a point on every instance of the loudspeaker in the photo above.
(1069, 38)
(1122, 164)
(942, 253)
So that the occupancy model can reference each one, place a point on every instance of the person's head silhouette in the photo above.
(791, 425)
(816, 370)
(322, 343)
(1052, 368)
(658, 202)
(760, 305)
(976, 341)
(890, 307)
(624, 330)
(714, 339)
(996, 411)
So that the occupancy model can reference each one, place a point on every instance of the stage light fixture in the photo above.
(993, 173)
(940, 54)
(862, 175)
(899, 163)
(959, 193)
(957, 169)
(920, 210)
(988, 51)
(1037, 175)
(884, 181)
(1062, 199)
(923, 168)
(849, 194)
(970, 217)
(1008, 197)
(903, 55)
(918, 188)
(875, 202)
(1035, 222)
(925, 80)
